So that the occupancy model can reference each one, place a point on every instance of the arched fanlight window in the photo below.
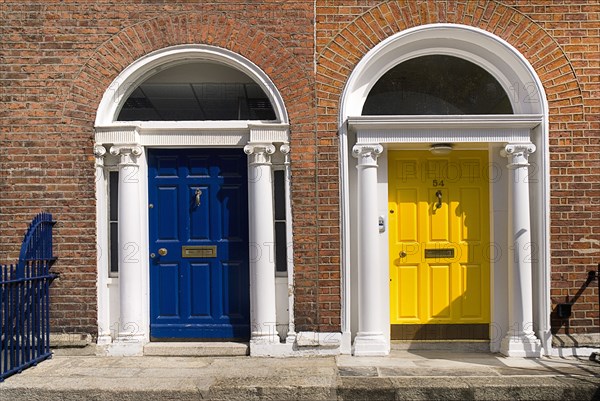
(437, 84)
(198, 91)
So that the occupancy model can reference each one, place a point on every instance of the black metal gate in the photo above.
(25, 301)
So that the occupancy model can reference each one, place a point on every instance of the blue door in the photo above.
(198, 213)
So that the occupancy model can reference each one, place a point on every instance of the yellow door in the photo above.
(439, 245)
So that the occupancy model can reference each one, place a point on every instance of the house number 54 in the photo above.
(438, 183)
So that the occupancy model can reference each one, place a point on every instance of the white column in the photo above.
(291, 334)
(371, 276)
(520, 340)
(131, 320)
(262, 241)
(102, 245)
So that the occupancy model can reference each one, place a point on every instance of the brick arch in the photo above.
(138, 40)
(338, 58)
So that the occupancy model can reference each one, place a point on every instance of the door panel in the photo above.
(198, 286)
(470, 200)
(471, 290)
(237, 211)
(407, 215)
(438, 218)
(168, 223)
(439, 238)
(199, 216)
(168, 277)
(407, 295)
(198, 198)
(440, 291)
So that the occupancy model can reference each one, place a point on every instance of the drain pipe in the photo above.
(595, 356)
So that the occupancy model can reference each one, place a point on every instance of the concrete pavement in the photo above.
(404, 375)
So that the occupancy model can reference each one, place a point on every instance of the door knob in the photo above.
(402, 254)
(162, 251)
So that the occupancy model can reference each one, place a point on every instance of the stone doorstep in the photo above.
(196, 349)
(479, 346)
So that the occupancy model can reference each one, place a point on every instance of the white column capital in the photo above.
(518, 154)
(367, 153)
(99, 150)
(99, 153)
(259, 153)
(285, 148)
(129, 153)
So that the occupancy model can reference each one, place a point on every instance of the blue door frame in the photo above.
(198, 198)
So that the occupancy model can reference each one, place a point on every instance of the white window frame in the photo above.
(107, 172)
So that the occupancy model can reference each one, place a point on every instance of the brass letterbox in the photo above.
(199, 251)
(439, 253)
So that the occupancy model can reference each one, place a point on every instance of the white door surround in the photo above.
(515, 330)
(129, 141)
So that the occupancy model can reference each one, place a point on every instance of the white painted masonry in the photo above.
(373, 274)
(104, 335)
(528, 125)
(520, 340)
(262, 238)
(123, 306)
(131, 325)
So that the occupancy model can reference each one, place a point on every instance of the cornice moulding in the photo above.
(497, 121)
(443, 129)
(192, 133)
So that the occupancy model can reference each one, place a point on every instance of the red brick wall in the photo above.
(575, 156)
(57, 59)
(561, 40)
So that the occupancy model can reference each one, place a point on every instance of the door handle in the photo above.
(402, 254)
(198, 193)
(439, 201)
(162, 251)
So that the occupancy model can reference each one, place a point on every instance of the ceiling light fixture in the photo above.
(440, 148)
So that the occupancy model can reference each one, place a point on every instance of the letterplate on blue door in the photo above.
(199, 251)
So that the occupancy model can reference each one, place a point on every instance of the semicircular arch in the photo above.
(136, 73)
(338, 58)
(136, 42)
